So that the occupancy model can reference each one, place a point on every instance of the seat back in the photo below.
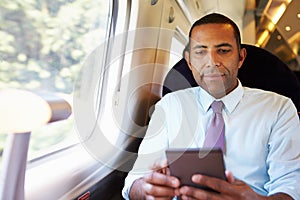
(261, 69)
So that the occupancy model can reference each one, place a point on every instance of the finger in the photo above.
(168, 172)
(158, 191)
(161, 163)
(149, 197)
(160, 166)
(229, 176)
(196, 193)
(216, 184)
(187, 198)
(156, 178)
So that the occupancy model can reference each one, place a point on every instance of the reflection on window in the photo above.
(42, 46)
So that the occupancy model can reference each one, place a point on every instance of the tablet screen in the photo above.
(183, 163)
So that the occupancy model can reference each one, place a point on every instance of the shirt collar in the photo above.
(230, 101)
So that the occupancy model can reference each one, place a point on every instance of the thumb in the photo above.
(229, 176)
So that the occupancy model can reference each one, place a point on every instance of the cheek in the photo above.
(232, 67)
(236, 72)
(196, 65)
(235, 68)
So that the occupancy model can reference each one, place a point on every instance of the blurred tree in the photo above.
(43, 41)
(42, 45)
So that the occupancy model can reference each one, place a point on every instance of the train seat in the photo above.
(261, 69)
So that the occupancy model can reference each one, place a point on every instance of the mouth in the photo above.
(215, 76)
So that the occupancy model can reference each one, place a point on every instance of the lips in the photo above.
(213, 76)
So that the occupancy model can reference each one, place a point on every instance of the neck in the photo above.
(222, 94)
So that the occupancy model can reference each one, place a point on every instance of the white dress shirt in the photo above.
(262, 134)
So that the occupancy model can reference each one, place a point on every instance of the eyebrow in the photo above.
(224, 45)
(217, 46)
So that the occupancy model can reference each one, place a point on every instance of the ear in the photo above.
(243, 54)
(187, 58)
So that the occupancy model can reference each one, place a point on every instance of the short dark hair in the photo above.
(216, 18)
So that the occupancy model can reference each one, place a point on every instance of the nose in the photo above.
(213, 59)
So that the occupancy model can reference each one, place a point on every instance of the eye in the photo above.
(200, 52)
(224, 51)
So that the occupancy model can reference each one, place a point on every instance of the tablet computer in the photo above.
(184, 163)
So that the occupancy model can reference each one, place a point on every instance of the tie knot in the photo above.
(216, 106)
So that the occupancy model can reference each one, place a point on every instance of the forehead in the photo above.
(213, 34)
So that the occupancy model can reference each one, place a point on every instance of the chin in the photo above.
(217, 92)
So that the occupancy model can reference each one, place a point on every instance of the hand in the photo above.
(231, 189)
(156, 185)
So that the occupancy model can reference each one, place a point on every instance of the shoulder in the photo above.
(259, 93)
(180, 98)
(179, 94)
(267, 99)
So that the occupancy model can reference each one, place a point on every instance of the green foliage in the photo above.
(42, 45)
(43, 41)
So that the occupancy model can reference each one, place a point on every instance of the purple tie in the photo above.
(215, 136)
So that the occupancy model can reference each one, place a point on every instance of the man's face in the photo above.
(214, 58)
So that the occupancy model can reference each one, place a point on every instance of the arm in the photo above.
(283, 159)
(140, 179)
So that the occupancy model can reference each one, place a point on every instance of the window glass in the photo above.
(43, 44)
(176, 52)
(100, 131)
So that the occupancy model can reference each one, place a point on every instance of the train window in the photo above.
(104, 127)
(42, 49)
(176, 52)
(177, 46)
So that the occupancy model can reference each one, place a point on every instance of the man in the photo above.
(262, 129)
